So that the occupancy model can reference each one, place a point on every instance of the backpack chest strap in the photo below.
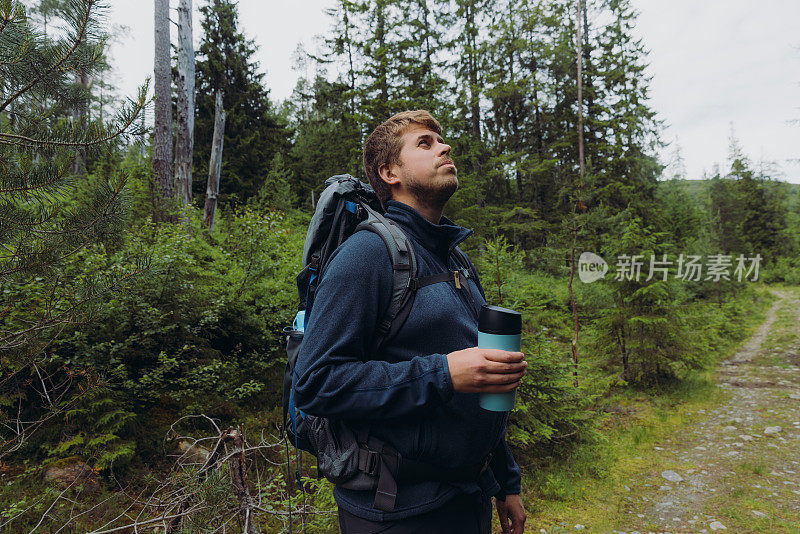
(458, 277)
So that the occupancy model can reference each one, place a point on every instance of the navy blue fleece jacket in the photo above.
(405, 392)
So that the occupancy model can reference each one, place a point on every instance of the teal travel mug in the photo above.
(499, 328)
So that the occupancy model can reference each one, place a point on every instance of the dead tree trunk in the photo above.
(162, 144)
(215, 164)
(238, 467)
(626, 370)
(576, 203)
(80, 117)
(184, 144)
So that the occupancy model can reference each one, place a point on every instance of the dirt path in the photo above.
(737, 467)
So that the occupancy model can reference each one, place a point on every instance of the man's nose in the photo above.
(444, 149)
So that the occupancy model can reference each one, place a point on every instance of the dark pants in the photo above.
(464, 514)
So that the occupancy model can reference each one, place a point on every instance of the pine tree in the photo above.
(385, 52)
(40, 229)
(749, 212)
(254, 132)
(328, 140)
(276, 192)
(627, 167)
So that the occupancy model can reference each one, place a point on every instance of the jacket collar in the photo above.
(440, 238)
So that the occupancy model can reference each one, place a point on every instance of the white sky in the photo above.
(714, 64)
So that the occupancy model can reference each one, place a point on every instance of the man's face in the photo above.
(426, 169)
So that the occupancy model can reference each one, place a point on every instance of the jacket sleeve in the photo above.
(506, 470)
(333, 376)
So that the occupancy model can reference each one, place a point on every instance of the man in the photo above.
(420, 394)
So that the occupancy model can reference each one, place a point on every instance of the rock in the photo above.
(579, 527)
(772, 430)
(192, 451)
(699, 448)
(672, 476)
(664, 488)
(758, 514)
(626, 488)
(730, 428)
(716, 525)
(746, 437)
(795, 396)
(73, 472)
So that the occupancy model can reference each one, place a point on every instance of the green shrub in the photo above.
(200, 332)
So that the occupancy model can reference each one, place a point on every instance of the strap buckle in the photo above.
(373, 463)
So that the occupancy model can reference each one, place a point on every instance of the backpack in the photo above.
(347, 454)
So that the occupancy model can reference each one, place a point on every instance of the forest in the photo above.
(151, 241)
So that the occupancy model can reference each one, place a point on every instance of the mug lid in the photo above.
(497, 320)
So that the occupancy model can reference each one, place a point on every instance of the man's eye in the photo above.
(424, 141)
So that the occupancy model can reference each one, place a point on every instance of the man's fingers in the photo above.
(503, 516)
(517, 523)
(505, 368)
(503, 356)
(500, 379)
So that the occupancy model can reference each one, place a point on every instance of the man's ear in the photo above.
(387, 174)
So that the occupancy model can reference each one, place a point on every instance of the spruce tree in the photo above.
(329, 139)
(627, 169)
(254, 132)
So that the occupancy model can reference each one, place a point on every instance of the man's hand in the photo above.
(478, 370)
(512, 514)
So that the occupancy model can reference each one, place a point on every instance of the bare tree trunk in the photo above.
(79, 119)
(162, 146)
(577, 201)
(589, 83)
(472, 67)
(580, 91)
(238, 467)
(142, 140)
(215, 165)
(626, 370)
(184, 144)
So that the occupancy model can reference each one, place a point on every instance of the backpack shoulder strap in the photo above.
(404, 268)
(463, 260)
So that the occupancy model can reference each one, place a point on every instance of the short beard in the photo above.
(432, 197)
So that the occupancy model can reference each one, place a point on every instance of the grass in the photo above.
(781, 340)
